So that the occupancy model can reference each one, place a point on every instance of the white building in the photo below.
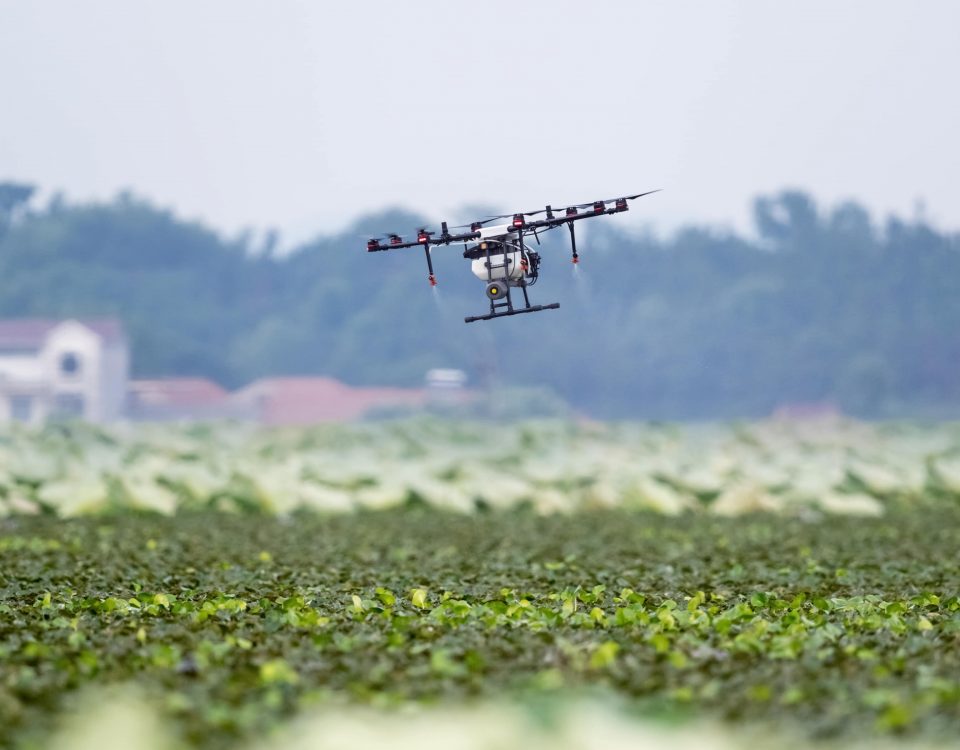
(69, 369)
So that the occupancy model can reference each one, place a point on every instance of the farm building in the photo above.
(62, 369)
(79, 369)
(172, 399)
(307, 400)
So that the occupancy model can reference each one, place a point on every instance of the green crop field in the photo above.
(235, 582)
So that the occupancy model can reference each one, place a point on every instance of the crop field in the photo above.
(500, 585)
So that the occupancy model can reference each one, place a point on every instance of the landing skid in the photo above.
(518, 311)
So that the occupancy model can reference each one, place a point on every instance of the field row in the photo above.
(229, 625)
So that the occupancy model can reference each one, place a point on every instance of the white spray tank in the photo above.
(511, 267)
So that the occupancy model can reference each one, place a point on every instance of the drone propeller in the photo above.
(546, 210)
(622, 198)
(474, 225)
(373, 243)
(520, 213)
(592, 204)
(423, 235)
(639, 195)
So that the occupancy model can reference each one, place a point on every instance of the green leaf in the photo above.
(277, 671)
(604, 655)
(162, 600)
(660, 643)
(386, 596)
(418, 597)
(443, 663)
(596, 614)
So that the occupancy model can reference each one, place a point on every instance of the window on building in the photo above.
(21, 408)
(69, 406)
(70, 364)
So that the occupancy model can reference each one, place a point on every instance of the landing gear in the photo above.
(513, 311)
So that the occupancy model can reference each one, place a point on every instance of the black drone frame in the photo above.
(501, 302)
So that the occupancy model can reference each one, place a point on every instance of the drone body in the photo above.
(500, 256)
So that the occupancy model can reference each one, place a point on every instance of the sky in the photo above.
(303, 116)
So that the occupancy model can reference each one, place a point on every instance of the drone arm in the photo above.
(431, 278)
(398, 246)
(570, 219)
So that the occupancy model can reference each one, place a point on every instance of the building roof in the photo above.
(307, 400)
(31, 333)
(177, 392)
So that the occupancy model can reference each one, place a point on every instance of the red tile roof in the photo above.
(179, 392)
(307, 400)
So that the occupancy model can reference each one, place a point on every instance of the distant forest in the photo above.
(822, 306)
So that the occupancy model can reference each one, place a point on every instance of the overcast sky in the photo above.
(304, 115)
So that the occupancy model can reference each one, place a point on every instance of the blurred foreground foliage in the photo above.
(802, 469)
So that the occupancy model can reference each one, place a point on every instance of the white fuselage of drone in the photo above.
(510, 267)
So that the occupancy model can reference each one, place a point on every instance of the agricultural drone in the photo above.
(500, 256)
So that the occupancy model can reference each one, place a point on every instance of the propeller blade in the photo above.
(519, 213)
(640, 195)
(627, 197)
(481, 223)
(558, 210)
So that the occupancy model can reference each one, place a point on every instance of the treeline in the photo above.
(822, 306)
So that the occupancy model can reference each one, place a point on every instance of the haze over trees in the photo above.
(823, 305)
